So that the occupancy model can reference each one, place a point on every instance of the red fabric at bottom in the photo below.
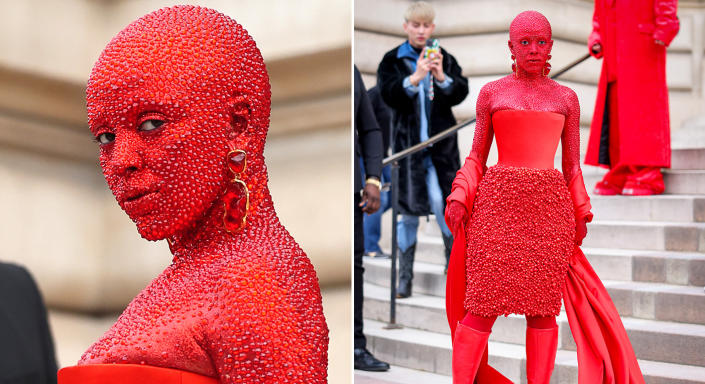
(605, 354)
(129, 374)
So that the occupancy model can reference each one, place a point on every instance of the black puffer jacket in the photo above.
(413, 197)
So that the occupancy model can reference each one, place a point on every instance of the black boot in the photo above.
(406, 272)
(366, 362)
(448, 244)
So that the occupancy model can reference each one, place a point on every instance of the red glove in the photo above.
(581, 204)
(456, 214)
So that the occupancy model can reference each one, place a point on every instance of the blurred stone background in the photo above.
(60, 220)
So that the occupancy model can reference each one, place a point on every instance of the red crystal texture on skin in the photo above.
(242, 307)
(520, 232)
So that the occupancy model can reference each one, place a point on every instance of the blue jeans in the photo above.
(372, 222)
(408, 225)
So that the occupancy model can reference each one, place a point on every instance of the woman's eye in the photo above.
(542, 42)
(524, 42)
(151, 124)
(105, 138)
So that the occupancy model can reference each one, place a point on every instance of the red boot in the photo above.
(468, 348)
(541, 347)
(648, 181)
(613, 181)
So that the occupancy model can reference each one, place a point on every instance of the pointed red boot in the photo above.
(541, 347)
(468, 348)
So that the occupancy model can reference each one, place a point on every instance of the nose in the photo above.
(534, 46)
(126, 155)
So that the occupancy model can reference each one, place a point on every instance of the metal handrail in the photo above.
(393, 160)
(442, 135)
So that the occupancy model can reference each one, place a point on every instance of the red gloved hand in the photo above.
(455, 215)
(580, 231)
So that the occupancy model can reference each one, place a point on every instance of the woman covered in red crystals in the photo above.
(518, 226)
(179, 103)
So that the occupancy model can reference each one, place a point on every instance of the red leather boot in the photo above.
(468, 348)
(648, 181)
(541, 347)
(613, 181)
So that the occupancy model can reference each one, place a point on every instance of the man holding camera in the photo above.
(420, 82)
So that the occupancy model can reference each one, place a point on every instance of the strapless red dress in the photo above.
(522, 227)
(129, 374)
(522, 224)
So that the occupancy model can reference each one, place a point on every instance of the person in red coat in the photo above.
(630, 131)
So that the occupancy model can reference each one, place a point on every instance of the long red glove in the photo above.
(581, 205)
(456, 215)
(462, 196)
(570, 143)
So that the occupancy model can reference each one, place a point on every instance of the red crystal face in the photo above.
(164, 125)
(530, 43)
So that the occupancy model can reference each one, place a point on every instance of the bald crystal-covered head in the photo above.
(530, 43)
(164, 99)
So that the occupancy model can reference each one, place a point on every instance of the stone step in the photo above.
(652, 340)
(690, 158)
(653, 235)
(673, 208)
(643, 300)
(400, 375)
(431, 352)
(679, 268)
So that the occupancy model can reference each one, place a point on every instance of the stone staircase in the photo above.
(649, 252)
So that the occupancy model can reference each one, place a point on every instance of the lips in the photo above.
(140, 201)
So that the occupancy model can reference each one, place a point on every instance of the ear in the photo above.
(511, 46)
(550, 45)
(433, 28)
(240, 114)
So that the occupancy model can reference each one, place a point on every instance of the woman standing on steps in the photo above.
(524, 221)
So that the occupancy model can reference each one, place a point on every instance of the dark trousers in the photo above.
(360, 341)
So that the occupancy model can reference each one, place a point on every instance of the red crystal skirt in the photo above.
(519, 238)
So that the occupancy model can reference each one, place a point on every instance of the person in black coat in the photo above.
(368, 147)
(26, 346)
(372, 222)
(421, 91)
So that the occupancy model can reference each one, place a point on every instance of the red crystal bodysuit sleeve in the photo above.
(570, 143)
(468, 176)
(666, 22)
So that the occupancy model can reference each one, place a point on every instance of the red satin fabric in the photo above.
(129, 374)
(527, 138)
(605, 354)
